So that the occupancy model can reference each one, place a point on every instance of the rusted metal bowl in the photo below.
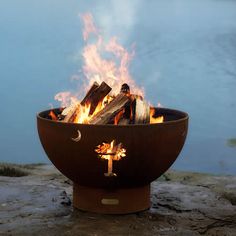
(150, 149)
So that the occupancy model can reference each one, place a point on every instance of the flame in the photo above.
(110, 152)
(107, 100)
(118, 116)
(103, 60)
(106, 61)
(153, 120)
(82, 116)
(89, 26)
(52, 115)
(101, 105)
(113, 71)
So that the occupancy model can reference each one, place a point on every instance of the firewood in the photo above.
(123, 117)
(87, 96)
(123, 121)
(72, 112)
(125, 89)
(107, 115)
(96, 96)
(140, 111)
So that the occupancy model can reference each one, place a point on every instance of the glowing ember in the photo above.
(110, 152)
(153, 120)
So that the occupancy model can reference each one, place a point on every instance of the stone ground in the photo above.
(182, 204)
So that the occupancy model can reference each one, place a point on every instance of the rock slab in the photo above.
(182, 204)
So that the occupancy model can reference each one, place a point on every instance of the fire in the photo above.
(89, 26)
(82, 117)
(118, 116)
(101, 105)
(153, 120)
(104, 61)
(52, 115)
(110, 152)
(115, 70)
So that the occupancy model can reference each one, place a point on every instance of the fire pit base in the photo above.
(111, 201)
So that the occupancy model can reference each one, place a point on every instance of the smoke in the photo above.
(119, 20)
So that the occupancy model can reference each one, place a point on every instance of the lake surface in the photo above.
(185, 58)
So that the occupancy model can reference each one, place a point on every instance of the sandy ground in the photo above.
(182, 204)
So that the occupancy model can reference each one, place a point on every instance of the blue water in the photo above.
(185, 58)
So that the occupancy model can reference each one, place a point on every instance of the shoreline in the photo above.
(32, 165)
(183, 203)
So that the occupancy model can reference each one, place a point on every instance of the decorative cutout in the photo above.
(111, 152)
(77, 139)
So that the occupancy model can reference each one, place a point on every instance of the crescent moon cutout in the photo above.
(77, 139)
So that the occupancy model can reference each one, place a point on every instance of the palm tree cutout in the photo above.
(111, 152)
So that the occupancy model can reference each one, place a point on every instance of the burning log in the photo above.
(88, 95)
(95, 94)
(137, 112)
(123, 117)
(108, 114)
(124, 109)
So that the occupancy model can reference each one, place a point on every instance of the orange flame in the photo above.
(82, 112)
(105, 150)
(118, 116)
(110, 152)
(113, 71)
(106, 61)
(97, 67)
(154, 120)
(82, 116)
(52, 115)
(101, 105)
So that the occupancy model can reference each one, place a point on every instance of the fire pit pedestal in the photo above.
(111, 201)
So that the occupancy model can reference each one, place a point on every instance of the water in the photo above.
(185, 59)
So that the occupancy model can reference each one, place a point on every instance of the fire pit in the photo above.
(150, 149)
(112, 143)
